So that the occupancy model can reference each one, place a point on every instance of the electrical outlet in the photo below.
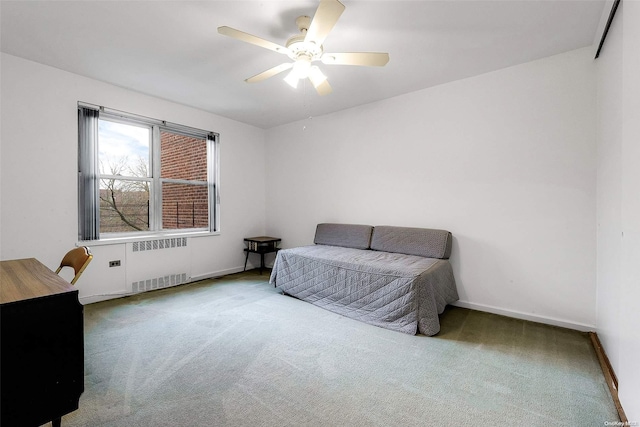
(114, 263)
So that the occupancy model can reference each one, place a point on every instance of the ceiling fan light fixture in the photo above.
(301, 68)
(292, 79)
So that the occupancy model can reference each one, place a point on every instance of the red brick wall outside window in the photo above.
(184, 158)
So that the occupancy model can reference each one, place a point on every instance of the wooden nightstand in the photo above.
(260, 245)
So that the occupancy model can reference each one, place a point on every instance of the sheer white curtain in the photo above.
(88, 174)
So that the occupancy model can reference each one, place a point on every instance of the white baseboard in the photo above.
(219, 273)
(90, 299)
(526, 316)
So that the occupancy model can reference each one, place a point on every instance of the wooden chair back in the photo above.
(78, 259)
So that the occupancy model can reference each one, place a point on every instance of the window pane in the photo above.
(184, 206)
(123, 149)
(183, 157)
(124, 205)
(152, 176)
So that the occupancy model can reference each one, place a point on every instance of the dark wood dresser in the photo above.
(41, 345)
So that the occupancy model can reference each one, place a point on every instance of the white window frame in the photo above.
(212, 141)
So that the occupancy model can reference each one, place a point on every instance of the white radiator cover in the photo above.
(155, 244)
(158, 263)
(158, 282)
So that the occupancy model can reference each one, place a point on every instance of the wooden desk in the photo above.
(42, 353)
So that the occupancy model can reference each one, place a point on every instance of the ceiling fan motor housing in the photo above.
(303, 22)
(298, 48)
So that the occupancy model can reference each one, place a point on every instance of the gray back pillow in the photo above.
(425, 242)
(346, 235)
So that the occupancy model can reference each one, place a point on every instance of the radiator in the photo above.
(158, 282)
(158, 263)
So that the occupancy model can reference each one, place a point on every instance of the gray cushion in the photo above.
(346, 235)
(423, 242)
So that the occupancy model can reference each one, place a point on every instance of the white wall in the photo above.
(39, 182)
(618, 206)
(609, 215)
(506, 161)
(629, 370)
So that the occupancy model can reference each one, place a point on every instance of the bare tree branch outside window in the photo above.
(124, 203)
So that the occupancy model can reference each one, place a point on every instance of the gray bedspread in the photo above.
(400, 292)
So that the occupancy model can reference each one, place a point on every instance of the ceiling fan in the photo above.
(305, 48)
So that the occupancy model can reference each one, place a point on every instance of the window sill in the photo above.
(143, 237)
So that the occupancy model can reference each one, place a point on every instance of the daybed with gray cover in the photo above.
(398, 278)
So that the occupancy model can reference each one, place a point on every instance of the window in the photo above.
(141, 176)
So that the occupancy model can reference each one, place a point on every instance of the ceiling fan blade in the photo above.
(319, 81)
(324, 88)
(270, 72)
(324, 20)
(245, 37)
(370, 59)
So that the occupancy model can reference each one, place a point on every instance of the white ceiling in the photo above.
(171, 49)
